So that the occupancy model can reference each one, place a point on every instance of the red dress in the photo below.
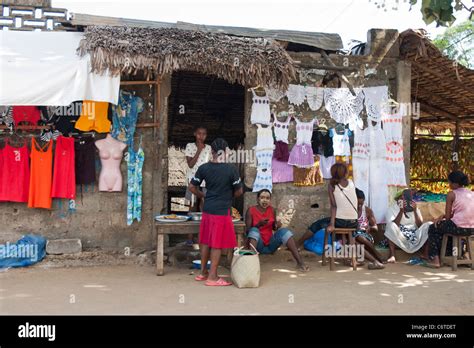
(64, 176)
(15, 173)
(266, 232)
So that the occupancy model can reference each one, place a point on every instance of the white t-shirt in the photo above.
(204, 157)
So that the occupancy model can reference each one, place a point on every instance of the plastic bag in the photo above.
(27, 251)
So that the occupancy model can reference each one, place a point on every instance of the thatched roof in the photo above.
(248, 61)
(444, 89)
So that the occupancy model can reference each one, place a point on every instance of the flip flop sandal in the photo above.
(218, 282)
(415, 261)
(373, 266)
(429, 265)
(200, 278)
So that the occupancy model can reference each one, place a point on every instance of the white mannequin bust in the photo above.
(110, 153)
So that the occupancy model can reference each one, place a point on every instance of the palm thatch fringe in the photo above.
(247, 61)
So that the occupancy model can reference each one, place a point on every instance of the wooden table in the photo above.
(188, 227)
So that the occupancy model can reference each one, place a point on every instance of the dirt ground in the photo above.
(135, 289)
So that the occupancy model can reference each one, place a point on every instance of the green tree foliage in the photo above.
(441, 11)
(457, 42)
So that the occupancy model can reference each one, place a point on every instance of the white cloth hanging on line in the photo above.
(395, 165)
(342, 105)
(360, 161)
(264, 138)
(43, 68)
(296, 94)
(274, 94)
(376, 102)
(263, 180)
(340, 142)
(314, 97)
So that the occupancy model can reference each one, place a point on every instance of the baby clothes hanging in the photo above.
(378, 173)
(41, 174)
(64, 174)
(392, 127)
(376, 101)
(15, 173)
(134, 190)
(264, 138)
(264, 158)
(296, 94)
(342, 105)
(314, 97)
(325, 164)
(260, 109)
(395, 164)
(281, 171)
(321, 142)
(301, 154)
(340, 142)
(281, 129)
(281, 152)
(263, 180)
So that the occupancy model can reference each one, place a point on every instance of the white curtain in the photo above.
(43, 68)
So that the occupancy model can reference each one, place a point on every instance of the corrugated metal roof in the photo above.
(326, 41)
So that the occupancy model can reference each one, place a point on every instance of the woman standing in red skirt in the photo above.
(217, 230)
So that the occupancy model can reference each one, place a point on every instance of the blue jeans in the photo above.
(279, 237)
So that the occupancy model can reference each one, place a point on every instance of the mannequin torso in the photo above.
(110, 153)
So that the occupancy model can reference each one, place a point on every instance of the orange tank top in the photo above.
(94, 117)
(41, 175)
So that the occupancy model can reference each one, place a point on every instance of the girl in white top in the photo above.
(343, 199)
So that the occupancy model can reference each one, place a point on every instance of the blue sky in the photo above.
(349, 18)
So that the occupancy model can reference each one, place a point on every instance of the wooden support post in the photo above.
(456, 147)
(341, 75)
(160, 260)
(404, 97)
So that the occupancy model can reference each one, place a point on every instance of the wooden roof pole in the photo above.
(436, 109)
(341, 75)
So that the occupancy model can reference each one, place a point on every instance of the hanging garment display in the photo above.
(392, 127)
(360, 160)
(274, 94)
(264, 138)
(134, 190)
(94, 117)
(301, 154)
(264, 158)
(314, 97)
(64, 174)
(110, 153)
(41, 175)
(325, 164)
(263, 180)
(15, 173)
(125, 116)
(308, 176)
(281, 129)
(340, 142)
(43, 68)
(6, 115)
(26, 114)
(395, 164)
(64, 118)
(342, 105)
(260, 109)
(281, 152)
(296, 94)
(376, 102)
(321, 142)
(378, 173)
(85, 160)
(281, 171)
